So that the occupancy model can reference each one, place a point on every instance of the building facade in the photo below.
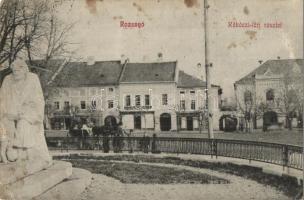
(191, 95)
(271, 95)
(139, 96)
(84, 91)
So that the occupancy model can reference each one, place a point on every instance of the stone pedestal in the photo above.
(44, 184)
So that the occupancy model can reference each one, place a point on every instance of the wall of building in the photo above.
(198, 94)
(90, 95)
(150, 117)
(259, 88)
(155, 90)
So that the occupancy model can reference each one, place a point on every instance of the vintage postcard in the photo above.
(151, 99)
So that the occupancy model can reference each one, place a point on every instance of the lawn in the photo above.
(139, 173)
(132, 173)
(294, 137)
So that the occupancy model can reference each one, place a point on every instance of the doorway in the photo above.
(165, 122)
(190, 123)
(137, 122)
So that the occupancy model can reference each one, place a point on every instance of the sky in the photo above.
(175, 28)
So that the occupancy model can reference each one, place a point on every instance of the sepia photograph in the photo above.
(151, 99)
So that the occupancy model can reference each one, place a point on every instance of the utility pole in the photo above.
(209, 103)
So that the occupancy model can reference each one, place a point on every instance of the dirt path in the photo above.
(106, 188)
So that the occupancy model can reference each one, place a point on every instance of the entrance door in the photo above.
(165, 122)
(110, 121)
(190, 123)
(137, 121)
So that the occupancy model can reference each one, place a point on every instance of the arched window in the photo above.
(270, 95)
(247, 97)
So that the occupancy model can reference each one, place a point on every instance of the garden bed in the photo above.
(132, 173)
(286, 184)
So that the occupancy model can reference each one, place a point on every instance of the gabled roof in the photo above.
(276, 67)
(187, 81)
(149, 72)
(78, 74)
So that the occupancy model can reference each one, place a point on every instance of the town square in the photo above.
(144, 100)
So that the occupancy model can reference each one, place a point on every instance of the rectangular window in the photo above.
(183, 104)
(165, 99)
(182, 92)
(193, 105)
(82, 105)
(128, 100)
(110, 104)
(137, 100)
(111, 89)
(66, 104)
(57, 105)
(147, 100)
(192, 91)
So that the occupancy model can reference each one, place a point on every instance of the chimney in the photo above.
(122, 59)
(159, 57)
(199, 67)
(90, 60)
(260, 61)
(278, 57)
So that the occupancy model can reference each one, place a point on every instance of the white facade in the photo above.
(269, 86)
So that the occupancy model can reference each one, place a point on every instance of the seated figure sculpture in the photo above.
(22, 114)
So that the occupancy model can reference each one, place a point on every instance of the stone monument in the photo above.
(30, 171)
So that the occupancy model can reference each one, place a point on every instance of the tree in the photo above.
(290, 100)
(31, 28)
(245, 96)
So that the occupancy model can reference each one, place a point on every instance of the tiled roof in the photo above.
(149, 72)
(77, 74)
(275, 66)
(187, 81)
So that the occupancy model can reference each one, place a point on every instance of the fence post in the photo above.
(215, 147)
(285, 156)
(130, 144)
(146, 144)
(153, 145)
(210, 141)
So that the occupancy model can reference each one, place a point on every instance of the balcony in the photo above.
(139, 108)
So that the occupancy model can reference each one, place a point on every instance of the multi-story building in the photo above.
(84, 90)
(271, 95)
(147, 93)
(141, 96)
(191, 95)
